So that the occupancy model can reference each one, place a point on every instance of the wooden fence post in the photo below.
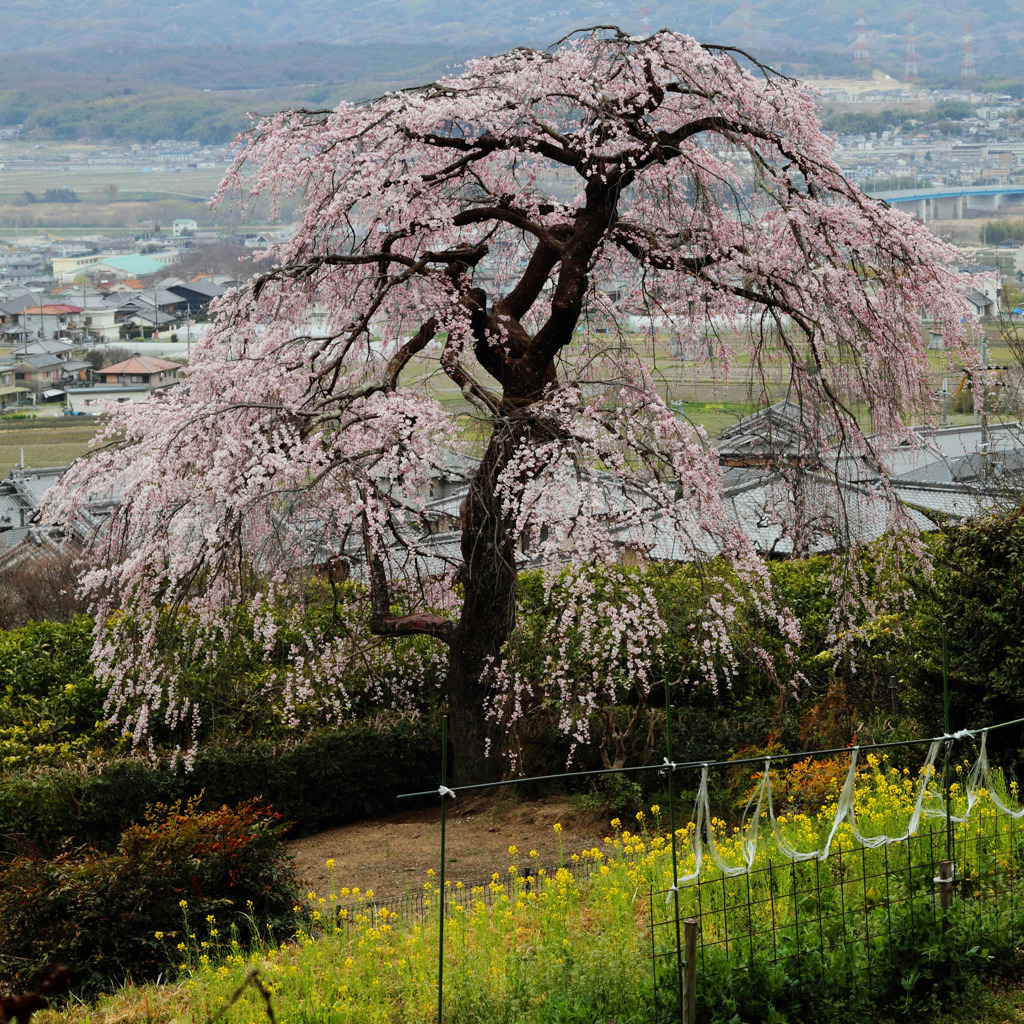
(689, 970)
(946, 885)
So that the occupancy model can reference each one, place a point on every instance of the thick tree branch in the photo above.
(508, 215)
(518, 302)
(382, 621)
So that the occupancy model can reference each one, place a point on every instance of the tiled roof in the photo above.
(140, 364)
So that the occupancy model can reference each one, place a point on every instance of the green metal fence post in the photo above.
(672, 826)
(441, 910)
(949, 743)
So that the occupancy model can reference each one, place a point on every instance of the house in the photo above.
(769, 463)
(95, 397)
(156, 308)
(11, 307)
(10, 393)
(21, 267)
(981, 305)
(45, 374)
(133, 380)
(197, 294)
(98, 322)
(254, 240)
(20, 530)
(51, 347)
(982, 290)
(145, 370)
(49, 320)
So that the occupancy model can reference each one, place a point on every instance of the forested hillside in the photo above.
(143, 94)
(71, 24)
(97, 72)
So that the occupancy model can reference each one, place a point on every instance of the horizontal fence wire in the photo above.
(685, 765)
(844, 920)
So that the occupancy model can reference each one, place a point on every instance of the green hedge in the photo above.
(328, 778)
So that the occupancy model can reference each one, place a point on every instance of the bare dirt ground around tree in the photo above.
(391, 856)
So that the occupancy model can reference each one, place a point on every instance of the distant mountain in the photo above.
(191, 69)
(769, 26)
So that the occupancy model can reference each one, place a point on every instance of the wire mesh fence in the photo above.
(426, 903)
(857, 919)
(885, 898)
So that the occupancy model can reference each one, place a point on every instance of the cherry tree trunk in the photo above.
(487, 619)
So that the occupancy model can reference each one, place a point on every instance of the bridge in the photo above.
(948, 202)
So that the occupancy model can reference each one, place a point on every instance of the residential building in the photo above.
(46, 375)
(133, 380)
(145, 370)
(11, 394)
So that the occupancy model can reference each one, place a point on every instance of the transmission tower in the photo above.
(910, 65)
(967, 67)
(861, 57)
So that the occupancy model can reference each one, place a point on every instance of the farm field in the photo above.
(65, 165)
(42, 442)
(54, 440)
(111, 197)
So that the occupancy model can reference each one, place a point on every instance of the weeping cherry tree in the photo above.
(463, 261)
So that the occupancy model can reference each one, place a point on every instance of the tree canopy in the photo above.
(480, 244)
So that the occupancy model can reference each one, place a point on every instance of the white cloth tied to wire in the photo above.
(703, 834)
(980, 777)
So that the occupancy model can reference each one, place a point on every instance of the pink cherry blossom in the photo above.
(471, 248)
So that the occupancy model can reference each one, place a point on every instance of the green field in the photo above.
(54, 440)
(44, 441)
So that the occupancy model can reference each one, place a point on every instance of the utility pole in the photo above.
(984, 411)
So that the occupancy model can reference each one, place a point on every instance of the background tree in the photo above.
(219, 258)
(109, 355)
(463, 239)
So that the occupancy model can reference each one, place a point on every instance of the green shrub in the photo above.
(112, 916)
(327, 778)
(51, 707)
(974, 607)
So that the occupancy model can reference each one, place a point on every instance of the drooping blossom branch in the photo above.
(464, 240)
